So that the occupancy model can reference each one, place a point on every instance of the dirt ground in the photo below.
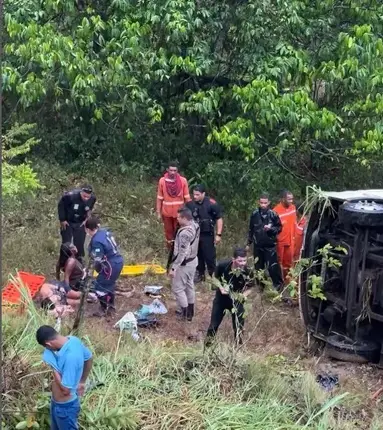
(271, 330)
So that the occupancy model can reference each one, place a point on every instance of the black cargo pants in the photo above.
(268, 258)
(75, 232)
(222, 303)
(206, 254)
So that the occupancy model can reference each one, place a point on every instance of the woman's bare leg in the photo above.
(73, 295)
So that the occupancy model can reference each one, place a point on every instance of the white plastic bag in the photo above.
(157, 307)
(128, 322)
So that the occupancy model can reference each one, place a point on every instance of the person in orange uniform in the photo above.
(173, 193)
(285, 240)
(299, 232)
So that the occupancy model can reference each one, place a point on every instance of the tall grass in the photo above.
(158, 386)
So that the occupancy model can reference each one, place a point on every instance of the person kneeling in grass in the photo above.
(233, 278)
(71, 363)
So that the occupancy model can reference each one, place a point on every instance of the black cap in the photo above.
(200, 188)
(87, 189)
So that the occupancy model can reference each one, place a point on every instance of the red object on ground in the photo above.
(12, 294)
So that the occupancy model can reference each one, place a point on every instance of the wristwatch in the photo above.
(219, 234)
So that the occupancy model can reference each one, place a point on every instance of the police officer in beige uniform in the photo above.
(184, 263)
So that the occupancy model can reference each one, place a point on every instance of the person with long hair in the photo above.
(69, 264)
(58, 297)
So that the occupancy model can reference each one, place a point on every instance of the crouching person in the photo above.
(233, 278)
(184, 263)
(108, 262)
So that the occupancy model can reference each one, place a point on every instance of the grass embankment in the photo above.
(165, 386)
(151, 385)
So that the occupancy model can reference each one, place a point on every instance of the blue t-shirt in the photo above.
(69, 363)
(103, 247)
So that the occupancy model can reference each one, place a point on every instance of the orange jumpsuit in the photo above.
(285, 239)
(170, 206)
(299, 233)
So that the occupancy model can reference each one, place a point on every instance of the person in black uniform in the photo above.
(233, 280)
(265, 225)
(74, 208)
(208, 214)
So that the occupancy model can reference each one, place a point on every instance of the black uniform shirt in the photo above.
(205, 213)
(257, 233)
(73, 209)
(236, 279)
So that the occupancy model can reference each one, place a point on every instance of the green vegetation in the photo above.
(248, 96)
(163, 386)
(18, 178)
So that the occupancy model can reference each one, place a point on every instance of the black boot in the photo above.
(190, 312)
(182, 317)
(106, 306)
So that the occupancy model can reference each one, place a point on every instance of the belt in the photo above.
(188, 260)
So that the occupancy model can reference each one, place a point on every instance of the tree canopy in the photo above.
(263, 93)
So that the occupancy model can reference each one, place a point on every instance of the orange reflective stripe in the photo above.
(174, 203)
(287, 213)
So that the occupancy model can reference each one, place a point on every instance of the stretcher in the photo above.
(11, 296)
(141, 269)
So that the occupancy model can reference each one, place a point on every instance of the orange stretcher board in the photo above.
(11, 294)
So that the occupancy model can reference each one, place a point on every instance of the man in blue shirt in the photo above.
(71, 363)
(108, 262)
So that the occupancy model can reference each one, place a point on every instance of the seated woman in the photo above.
(74, 271)
(61, 297)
